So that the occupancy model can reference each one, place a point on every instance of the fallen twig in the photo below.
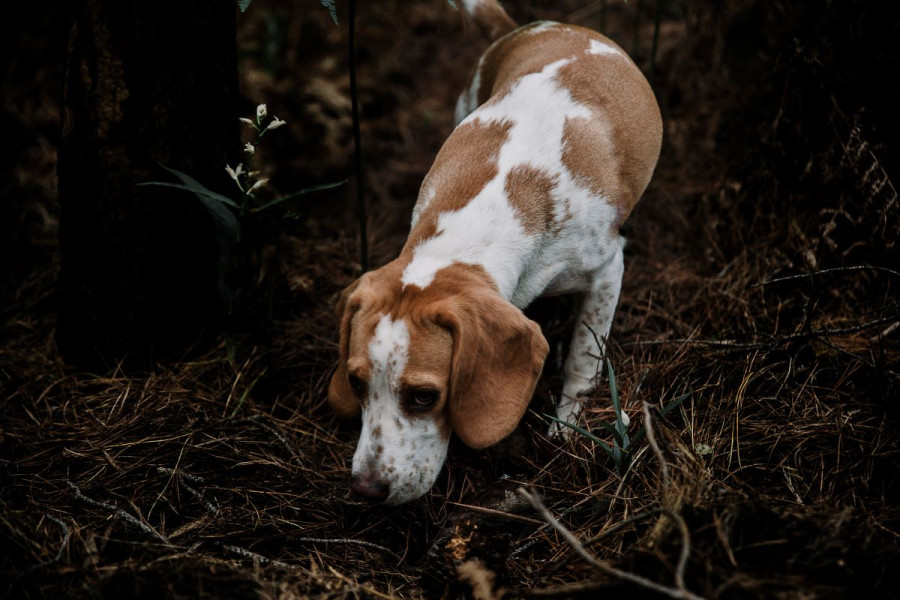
(496, 513)
(258, 420)
(118, 512)
(344, 541)
(776, 340)
(56, 558)
(607, 569)
(826, 271)
(258, 558)
(183, 478)
(651, 438)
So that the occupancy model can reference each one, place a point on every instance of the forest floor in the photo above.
(760, 305)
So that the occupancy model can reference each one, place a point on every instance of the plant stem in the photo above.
(357, 146)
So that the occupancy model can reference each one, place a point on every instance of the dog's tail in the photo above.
(490, 17)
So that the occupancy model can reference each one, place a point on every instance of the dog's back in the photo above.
(558, 136)
(617, 147)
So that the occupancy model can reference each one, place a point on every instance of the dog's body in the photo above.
(558, 136)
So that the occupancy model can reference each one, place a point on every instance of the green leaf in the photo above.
(616, 435)
(199, 188)
(662, 413)
(247, 392)
(675, 403)
(617, 406)
(452, 3)
(213, 202)
(606, 447)
(204, 193)
(303, 192)
(243, 4)
(224, 217)
(332, 9)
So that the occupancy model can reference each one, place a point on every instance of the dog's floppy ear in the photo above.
(498, 354)
(340, 396)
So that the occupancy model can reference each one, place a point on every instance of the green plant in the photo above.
(231, 215)
(622, 448)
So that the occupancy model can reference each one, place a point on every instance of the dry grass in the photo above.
(759, 278)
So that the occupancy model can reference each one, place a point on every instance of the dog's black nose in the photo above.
(370, 487)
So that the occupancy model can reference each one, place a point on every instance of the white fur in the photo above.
(541, 26)
(468, 100)
(598, 47)
(407, 452)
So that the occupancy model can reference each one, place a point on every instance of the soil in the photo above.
(758, 324)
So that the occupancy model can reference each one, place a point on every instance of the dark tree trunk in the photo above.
(147, 83)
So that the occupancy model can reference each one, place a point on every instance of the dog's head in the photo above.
(419, 364)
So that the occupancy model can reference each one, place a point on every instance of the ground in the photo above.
(758, 322)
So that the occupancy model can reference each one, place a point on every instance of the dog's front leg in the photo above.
(587, 348)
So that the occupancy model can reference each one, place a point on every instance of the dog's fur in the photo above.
(558, 134)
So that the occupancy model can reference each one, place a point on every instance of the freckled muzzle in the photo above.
(400, 463)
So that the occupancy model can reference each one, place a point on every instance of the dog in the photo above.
(557, 136)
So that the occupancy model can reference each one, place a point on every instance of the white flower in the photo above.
(261, 112)
(247, 121)
(235, 173)
(249, 149)
(276, 123)
(259, 184)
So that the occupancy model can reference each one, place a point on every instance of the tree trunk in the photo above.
(147, 83)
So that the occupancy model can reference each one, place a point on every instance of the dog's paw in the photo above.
(559, 432)
(568, 412)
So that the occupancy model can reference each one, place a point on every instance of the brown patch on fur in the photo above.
(465, 164)
(589, 154)
(498, 355)
(528, 190)
(613, 154)
(363, 299)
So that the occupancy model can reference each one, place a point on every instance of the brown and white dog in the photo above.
(558, 134)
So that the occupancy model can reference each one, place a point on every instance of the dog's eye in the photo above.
(420, 400)
(356, 384)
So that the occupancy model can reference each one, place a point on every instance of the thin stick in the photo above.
(496, 513)
(362, 214)
(651, 438)
(183, 478)
(816, 333)
(128, 518)
(258, 558)
(826, 271)
(56, 558)
(344, 541)
(612, 571)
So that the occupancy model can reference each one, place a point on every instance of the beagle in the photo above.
(558, 134)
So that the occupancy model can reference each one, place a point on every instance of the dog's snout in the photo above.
(370, 486)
